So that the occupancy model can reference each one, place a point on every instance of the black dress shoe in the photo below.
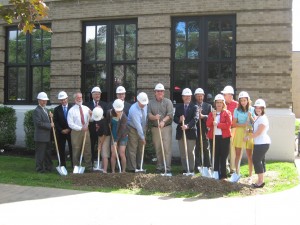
(258, 186)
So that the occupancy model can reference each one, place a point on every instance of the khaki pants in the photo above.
(77, 141)
(190, 153)
(166, 133)
(134, 150)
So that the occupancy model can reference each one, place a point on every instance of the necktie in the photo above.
(96, 103)
(81, 115)
(46, 113)
(143, 118)
(185, 109)
(65, 112)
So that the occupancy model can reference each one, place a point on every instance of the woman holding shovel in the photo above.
(221, 121)
(119, 133)
(242, 119)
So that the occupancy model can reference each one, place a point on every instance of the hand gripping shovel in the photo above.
(60, 169)
(186, 154)
(166, 174)
(141, 170)
(115, 148)
(214, 174)
(80, 169)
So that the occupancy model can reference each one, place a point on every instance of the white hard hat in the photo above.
(42, 96)
(260, 103)
(159, 87)
(228, 90)
(219, 97)
(244, 94)
(120, 89)
(97, 114)
(96, 89)
(186, 91)
(62, 95)
(199, 91)
(143, 98)
(118, 105)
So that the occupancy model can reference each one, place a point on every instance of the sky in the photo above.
(296, 25)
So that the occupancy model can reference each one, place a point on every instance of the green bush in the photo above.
(29, 129)
(8, 122)
(297, 127)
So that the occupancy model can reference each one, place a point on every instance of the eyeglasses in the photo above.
(159, 91)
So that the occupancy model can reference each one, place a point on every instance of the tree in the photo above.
(28, 13)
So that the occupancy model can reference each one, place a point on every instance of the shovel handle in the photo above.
(185, 149)
(116, 151)
(201, 140)
(55, 141)
(214, 143)
(82, 149)
(162, 146)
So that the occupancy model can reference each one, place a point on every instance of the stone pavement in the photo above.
(43, 206)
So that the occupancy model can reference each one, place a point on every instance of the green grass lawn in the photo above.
(20, 171)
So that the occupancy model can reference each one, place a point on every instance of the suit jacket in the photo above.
(206, 109)
(42, 126)
(191, 119)
(59, 119)
(126, 107)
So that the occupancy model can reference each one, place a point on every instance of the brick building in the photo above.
(138, 43)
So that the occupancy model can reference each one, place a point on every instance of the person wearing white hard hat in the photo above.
(96, 102)
(243, 117)
(204, 109)
(63, 131)
(186, 116)
(78, 119)
(220, 120)
(117, 121)
(137, 126)
(161, 109)
(231, 105)
(262, 142)
(42, 135)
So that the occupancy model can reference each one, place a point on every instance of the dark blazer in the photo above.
(59, 119)
(191, 119)
(125, 110)
(91, 105)
(42, 126)
(206, 109)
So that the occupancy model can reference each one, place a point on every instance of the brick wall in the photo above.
(263, 48)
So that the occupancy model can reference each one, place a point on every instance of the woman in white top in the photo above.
(262, 142)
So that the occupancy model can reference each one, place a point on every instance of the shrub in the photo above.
(8, 121)
(29, 129)
(297, 127)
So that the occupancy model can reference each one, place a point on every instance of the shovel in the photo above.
(98, 167)
(142, 160)
(80, 169)
(203, 170)
(186, 154)
(115, 147)
(166, 174)
(214, 174)
(60, 169)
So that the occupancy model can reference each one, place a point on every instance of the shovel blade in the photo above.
(78, 169)
(140, 171)
(216, 175)
(62, 170)
(188, 174)
(166, 174)
(206, 172)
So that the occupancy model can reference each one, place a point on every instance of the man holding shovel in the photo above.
(186, 116)
(42, 135)
(161, 109)
(78, 120)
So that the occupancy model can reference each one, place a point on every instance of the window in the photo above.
(203, 54)
(27, 68)
(110, 58)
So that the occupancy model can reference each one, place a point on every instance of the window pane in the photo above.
(12, 46)
(219, 75)
(180, 40)
(193, 40)
(46, 47)
(119, 74)
(130, 42)
(90, 51)
(213, 39)
(16, 84)
(119, 42)
(101, 42)
(130, 83)
(40, 81)
(37, 50)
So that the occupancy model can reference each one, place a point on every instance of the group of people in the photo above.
(208, 135)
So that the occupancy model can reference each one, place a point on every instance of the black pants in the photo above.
(43, 160)
(94, 141)
(206, 153)
(222, 147)
(258, 158)
(61, 142)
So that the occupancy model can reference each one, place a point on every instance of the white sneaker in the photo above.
(234, 178)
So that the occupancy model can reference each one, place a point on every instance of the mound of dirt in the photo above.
(204, 187)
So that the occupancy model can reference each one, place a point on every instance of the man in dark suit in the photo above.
(42, 135)
(204, 110)
(95, 102)
(189, 113)
(121, 94)
(63, 131)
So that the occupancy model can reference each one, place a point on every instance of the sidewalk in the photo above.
(36, 205)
